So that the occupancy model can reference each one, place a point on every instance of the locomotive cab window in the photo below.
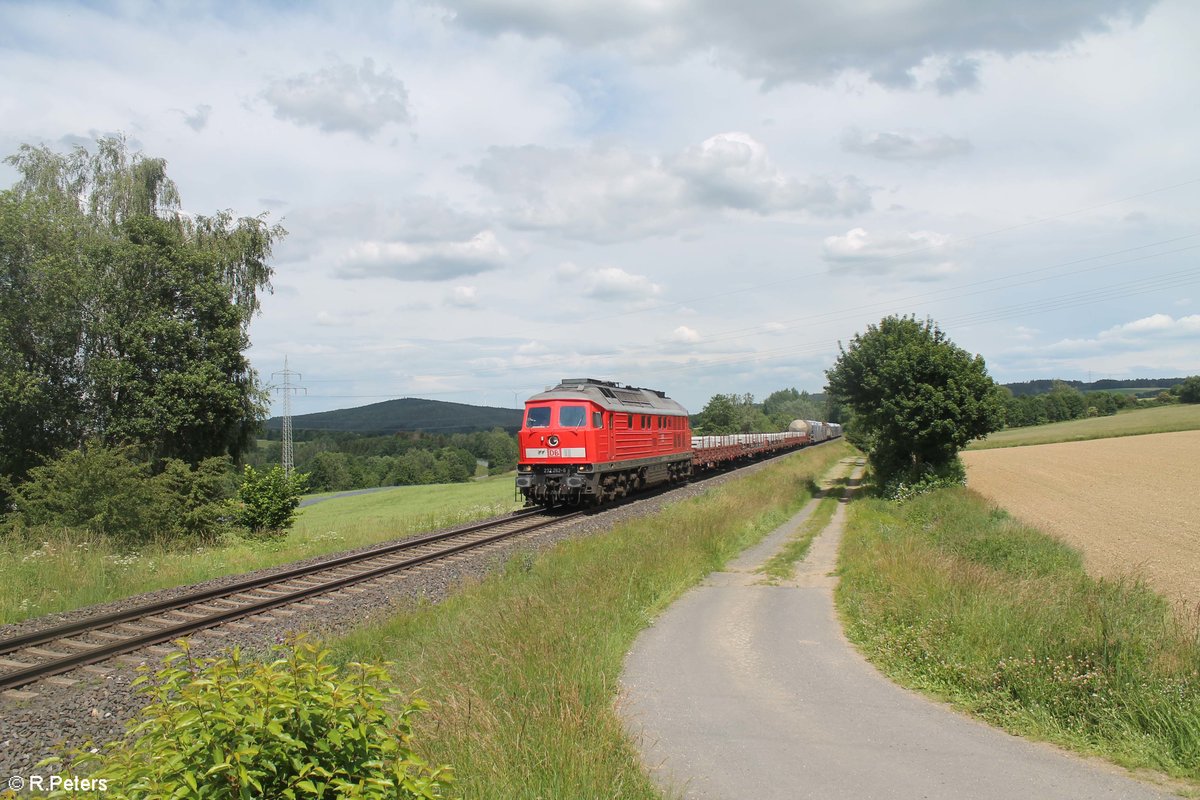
(597, 419)
(538, 417)
(572, 416)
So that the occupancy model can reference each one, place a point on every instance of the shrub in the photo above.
(292, 728)
(267, 501)
(923, 478)
(108, 491)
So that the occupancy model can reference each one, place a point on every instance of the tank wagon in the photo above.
(586, 441)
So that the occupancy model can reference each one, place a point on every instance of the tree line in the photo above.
(335, 461)
(1065, 402)
(734, 413)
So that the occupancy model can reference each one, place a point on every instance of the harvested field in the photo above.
(1132, 505)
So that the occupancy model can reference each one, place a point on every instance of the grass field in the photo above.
(952, 596)
(65, 571)
(521, 671)
(1161, 419)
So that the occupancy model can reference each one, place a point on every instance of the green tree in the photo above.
(719, 415)
(41, 331)
(732, 413)
(329, 472)
(1189, 390)
(916, 397)
(785, 405)
(121, 318)
(500, 450)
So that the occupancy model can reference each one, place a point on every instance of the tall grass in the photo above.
(952, 596)
(521, 670)
(60, 570)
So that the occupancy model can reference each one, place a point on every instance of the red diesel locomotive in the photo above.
(587, 441)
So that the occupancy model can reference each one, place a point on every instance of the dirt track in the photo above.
(1132, 505)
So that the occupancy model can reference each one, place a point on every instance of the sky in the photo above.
(486, 196)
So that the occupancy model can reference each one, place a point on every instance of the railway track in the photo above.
(32, 657)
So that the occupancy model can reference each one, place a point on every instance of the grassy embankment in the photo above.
(951, 596)
(67, 571)
(521, 670)
(1134, 422)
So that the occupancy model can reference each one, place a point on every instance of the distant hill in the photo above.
(407, 414)
(1135, 385)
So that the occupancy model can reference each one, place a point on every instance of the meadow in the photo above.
(66, 570)
(1134, 422)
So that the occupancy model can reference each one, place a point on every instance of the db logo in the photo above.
(555, 453)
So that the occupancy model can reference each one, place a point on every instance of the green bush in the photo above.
(267, 501)
(922, 478)
(108, 491)
(292, 728)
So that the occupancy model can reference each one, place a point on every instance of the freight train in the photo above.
(586, 442)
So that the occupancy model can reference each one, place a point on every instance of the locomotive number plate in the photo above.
(555, 452)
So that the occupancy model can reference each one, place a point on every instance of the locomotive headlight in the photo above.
(552, 441)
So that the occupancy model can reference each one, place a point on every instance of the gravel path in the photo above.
(97, 707)
(743, 689)
(1130, 504)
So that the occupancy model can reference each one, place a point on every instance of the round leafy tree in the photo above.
(917, 399)
(1189, 390)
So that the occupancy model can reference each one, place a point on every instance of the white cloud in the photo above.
(733, 170)
(903, 146)
(608, 283)
(684, 334)
(610, 193)
(780, 41)
(1124, 349)
(463, 297)
(919, 254)
(437, 261)
(603, 193)
(411, 218)
(341, 97)
(1155, 325)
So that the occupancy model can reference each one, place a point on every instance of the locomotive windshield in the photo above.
(538, 417)
(572, 416)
